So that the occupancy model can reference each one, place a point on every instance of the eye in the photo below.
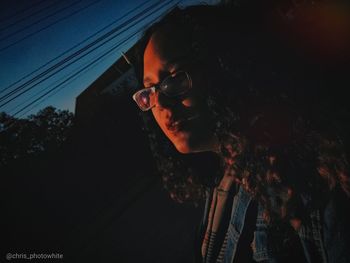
(176, 84)
(145, 99)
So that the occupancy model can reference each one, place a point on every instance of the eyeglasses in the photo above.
(174, 85)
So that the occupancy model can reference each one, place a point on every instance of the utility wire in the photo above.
(40, 20)
(54, 23)
(29, 15)
(72, 48)
(64, 86)
(62, 62)
(61, 79)
(21, 11)
(10, 124)
(66, 80)
(39, 92)
(75, 55)
(97, 59)
(80, 71)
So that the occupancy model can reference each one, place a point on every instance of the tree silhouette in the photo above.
(44, 132)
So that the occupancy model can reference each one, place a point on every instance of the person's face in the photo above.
(184, 119)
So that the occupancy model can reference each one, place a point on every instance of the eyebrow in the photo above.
(176, 60)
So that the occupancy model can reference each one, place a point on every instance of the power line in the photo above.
(72, 48)
(38, 93)
(100, 57)
(67, 59)
(11, 123)
(64, 86)
(21, 11)
(29, 15)
(38, 21)
(64, 77)
(54, 23)
(106, 53)
(66, 80)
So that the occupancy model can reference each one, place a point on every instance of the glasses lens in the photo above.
(176, 84)
(145, 98)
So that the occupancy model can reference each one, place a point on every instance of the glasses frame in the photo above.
(157, 88)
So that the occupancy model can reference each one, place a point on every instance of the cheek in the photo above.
(160, 118)
(193, 101)
(157, 116)
(189, 102)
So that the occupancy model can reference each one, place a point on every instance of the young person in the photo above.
(255, 128)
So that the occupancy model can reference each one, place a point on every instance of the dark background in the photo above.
(97, 199)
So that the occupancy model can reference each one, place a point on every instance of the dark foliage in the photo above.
(44, 132)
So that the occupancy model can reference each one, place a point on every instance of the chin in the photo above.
(187, 147)
(183, 148)
(187, 143)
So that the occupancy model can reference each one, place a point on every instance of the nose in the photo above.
(164, 101)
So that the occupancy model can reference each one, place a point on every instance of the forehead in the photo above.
(168, 45)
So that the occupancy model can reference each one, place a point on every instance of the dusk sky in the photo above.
(32, 33)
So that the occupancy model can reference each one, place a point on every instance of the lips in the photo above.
(174, 125)
(177, 124)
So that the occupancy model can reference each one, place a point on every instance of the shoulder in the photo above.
(336, 211)
(336, 227)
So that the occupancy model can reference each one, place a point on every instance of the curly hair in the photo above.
(277, 141)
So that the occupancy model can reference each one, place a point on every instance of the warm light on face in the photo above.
(174, 85)
(183, 119)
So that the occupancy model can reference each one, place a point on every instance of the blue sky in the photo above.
(22, 51)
